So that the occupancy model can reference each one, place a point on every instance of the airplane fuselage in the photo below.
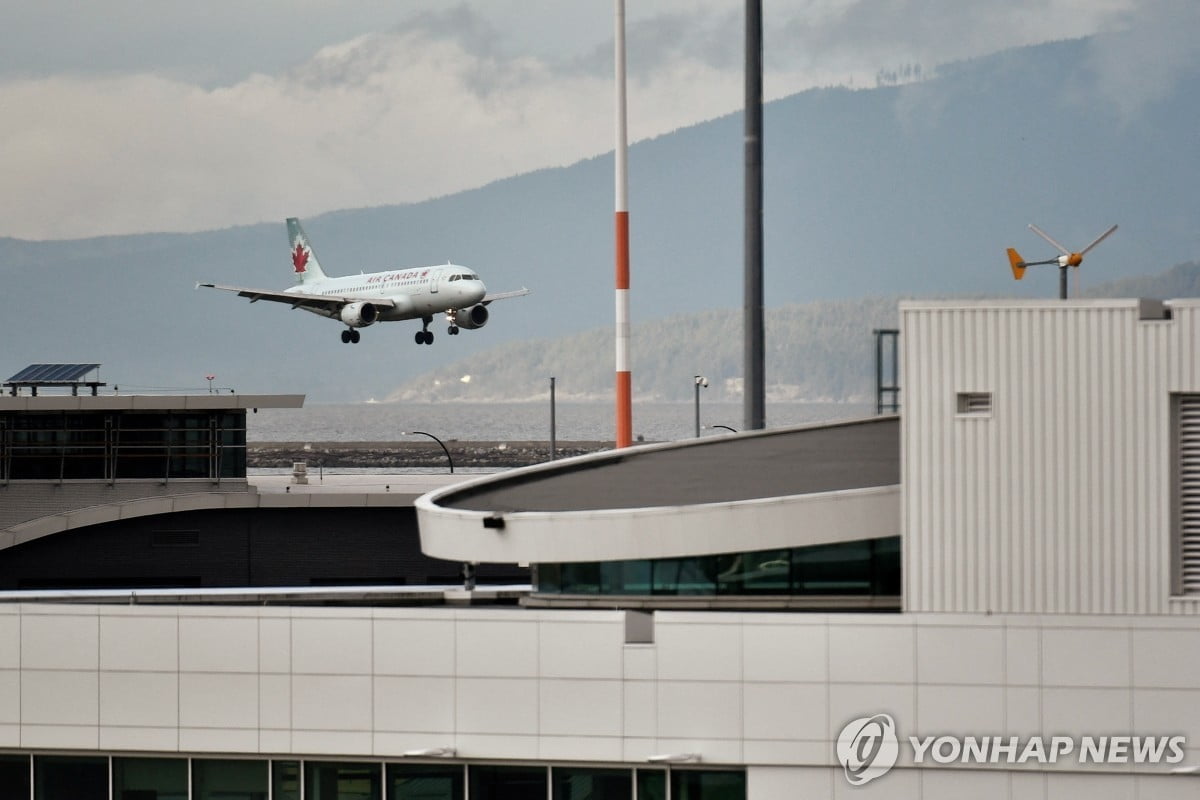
(416, 292)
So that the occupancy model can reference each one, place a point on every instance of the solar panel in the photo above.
(52, 373)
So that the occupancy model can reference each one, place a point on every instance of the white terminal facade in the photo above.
(1048, 514)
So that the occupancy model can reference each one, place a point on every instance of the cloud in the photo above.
(448, 100)
(402, 116)
(1157, 42)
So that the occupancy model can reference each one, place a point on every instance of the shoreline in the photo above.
(413, 453)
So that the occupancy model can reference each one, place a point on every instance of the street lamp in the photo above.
(436, 439)
(726, 427)
(700, 381)
(553, 433)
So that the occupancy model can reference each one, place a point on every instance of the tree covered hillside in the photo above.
(821, 351)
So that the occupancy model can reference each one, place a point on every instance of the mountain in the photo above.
(910, 190)
(815, 352)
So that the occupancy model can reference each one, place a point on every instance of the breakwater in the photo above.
(411, 454)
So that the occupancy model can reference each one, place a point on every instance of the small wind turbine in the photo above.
(1067, 259)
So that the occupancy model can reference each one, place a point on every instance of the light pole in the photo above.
(436, 439)
(700, 381)
(553, 444)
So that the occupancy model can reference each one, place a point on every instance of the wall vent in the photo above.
(1188, 493)
(975, 403)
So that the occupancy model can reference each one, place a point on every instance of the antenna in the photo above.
(1067, 259)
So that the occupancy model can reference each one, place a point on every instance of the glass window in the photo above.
(70, 778)
(342, 781)
(581, 578)
(885, 566)
(763, 572)
(708, 785)
(507, 783)
(149, 779)
(863, 567)
(425, 782)
(843, 568)
(578, 783)
(14, 777)
(219, 779)
(625, 577)
(548, 577)
(685, 575)
(652, 784)
(285, 780)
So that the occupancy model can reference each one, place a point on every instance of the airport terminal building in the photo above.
(993, 594)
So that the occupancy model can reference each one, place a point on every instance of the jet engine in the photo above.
(359, 315)
(471, 318)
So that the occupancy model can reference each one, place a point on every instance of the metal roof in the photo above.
(720, 469)
(44, 374)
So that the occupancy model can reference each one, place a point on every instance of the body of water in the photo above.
(370, 422)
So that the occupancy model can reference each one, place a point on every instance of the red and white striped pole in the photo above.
(624, 377)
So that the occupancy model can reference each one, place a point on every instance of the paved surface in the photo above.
(414, 484)
(712, 470)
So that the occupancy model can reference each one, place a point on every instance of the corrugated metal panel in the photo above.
(1057, 500)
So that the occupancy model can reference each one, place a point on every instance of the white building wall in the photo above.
(769, 691)
(1059, 499)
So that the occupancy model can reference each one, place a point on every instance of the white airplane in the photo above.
(362, 300)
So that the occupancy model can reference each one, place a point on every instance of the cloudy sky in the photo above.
(163, 115)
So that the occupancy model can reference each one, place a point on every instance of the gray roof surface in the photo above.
(774, 463)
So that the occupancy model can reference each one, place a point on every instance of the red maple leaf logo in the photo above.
(299, 257)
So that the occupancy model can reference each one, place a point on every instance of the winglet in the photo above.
(1017, 263)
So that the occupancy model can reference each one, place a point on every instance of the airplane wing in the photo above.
(331, 303)
(503, 295)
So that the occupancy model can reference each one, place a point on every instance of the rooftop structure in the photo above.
(151, 491)
(41, 376)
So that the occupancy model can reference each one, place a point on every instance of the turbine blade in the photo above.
(1099, 239)
(1046, 236)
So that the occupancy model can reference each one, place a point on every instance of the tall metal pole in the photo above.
(624, 387)
(754, 398)
(553, 444)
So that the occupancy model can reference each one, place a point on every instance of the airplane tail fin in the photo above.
(1017, 263)
(304, 260)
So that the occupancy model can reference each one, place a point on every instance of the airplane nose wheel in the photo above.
(452, 330)
(350, 336)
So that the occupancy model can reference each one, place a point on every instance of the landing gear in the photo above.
(350, 336)
(424, 336)
(452, 330)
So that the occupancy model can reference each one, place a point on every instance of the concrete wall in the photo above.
(22, 501)
(771, 691)
(1058, 500)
